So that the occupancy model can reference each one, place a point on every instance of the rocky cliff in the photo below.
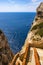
(6, 54)
(32, 51)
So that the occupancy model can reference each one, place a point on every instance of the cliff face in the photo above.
(35, 35)
(5, 53)
(32, 51)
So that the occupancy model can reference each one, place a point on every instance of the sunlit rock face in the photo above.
(32, 51)
(35, 35)
(5, 53)
(40, 10)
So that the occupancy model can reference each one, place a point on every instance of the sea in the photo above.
(16, 26)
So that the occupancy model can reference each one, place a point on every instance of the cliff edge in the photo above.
(32, 51)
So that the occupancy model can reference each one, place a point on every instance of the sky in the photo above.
(19, 5)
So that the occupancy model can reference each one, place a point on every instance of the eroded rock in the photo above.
(6, 54)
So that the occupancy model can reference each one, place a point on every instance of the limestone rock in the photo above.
(40, 10)
(6, 54)
(32, 51)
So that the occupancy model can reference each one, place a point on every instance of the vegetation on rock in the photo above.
(38, 26)
(40, 32)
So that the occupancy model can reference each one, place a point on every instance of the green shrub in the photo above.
(21, 57)
(40, 32)
(41, 25)
(38, 26)
(34, 27)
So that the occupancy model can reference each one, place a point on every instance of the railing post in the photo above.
(26, 55)
(37, 60)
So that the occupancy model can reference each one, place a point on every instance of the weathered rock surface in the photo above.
(6, 54)
(32, 51)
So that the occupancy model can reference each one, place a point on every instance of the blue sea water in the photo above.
(15, 26)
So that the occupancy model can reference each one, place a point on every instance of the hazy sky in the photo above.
(19, 5)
